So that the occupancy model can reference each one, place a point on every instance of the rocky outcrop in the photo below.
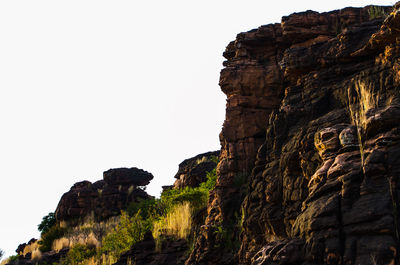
(313, 196)
(21, 249)
(104, 198)
(193, 171)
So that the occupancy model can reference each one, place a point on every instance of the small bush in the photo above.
(148, 208)
(211, 181)
(48, 238)
(13, 258)
(197, 197)
(78, 255)
(48, 221)
(129, 231)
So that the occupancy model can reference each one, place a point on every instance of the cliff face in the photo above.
(309, 168)
(312, 123)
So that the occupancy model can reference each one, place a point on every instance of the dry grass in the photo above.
(31, 248)
(103, 260)
(89, 233)
(364, 101)
(69, 241)
(36, 254)
(201, 160)
(34, 249)
(359, 105)
(60, 244)
(177, 224)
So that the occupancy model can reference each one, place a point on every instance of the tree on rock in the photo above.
(47, 222)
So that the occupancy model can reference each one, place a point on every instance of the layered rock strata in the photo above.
(324, 188)
(321, 187)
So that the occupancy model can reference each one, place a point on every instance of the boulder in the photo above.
(104, 198)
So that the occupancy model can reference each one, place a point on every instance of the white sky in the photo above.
(90, 85)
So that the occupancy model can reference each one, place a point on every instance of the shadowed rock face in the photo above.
(127, 176)
(104, 198)
(313, 196)
(173, 251)
(193, 171)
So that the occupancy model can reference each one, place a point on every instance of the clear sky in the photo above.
(90, 85)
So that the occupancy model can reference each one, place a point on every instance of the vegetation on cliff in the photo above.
(89, 241)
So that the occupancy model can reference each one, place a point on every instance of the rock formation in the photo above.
(193, 171)
(308, 171)
(322, 188)
(104, 198)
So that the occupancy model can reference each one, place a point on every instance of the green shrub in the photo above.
(211, 181)
(48, 238)
(197, 197)
(148, 208)
(129, 231)
(78, 254)
(48, 221)
(13, 258)
(159, 216)
(214, 159)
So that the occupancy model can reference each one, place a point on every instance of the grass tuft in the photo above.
(177, 224)
(359, 106)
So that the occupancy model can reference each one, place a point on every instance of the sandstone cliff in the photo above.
(312, 123)
(309, 168)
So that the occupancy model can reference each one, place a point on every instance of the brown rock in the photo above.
(127, 176)
(319, 189)
(193, 171)
(104, 198)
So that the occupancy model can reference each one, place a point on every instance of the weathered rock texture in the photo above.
(320, 189)
(309, 168)
(104, 198)
(193, 171)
